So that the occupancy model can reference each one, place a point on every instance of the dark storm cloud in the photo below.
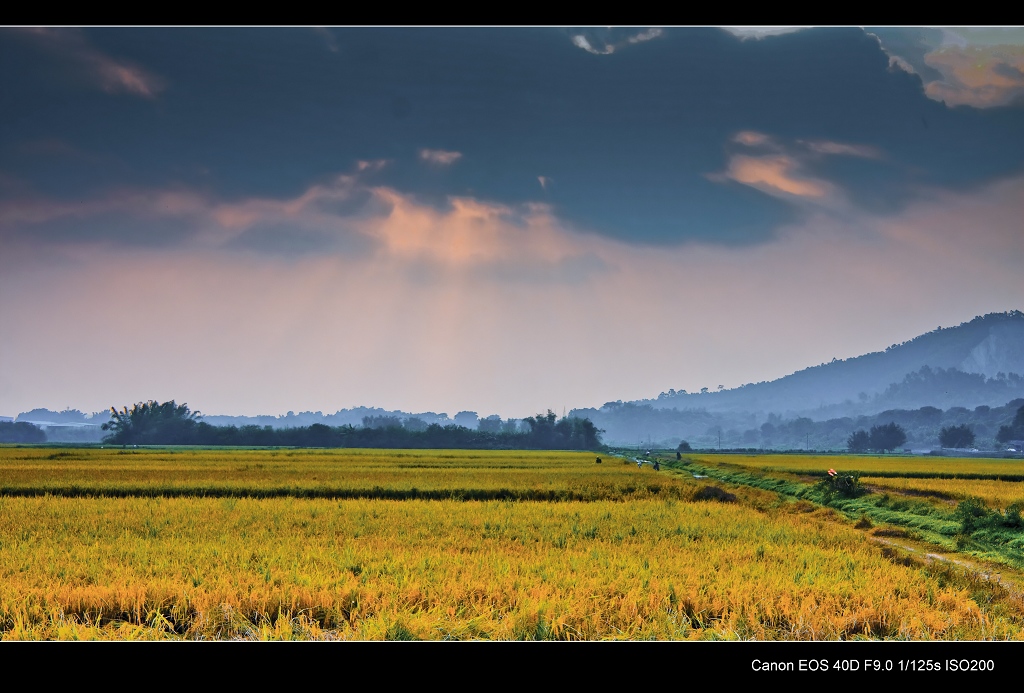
(630, 135)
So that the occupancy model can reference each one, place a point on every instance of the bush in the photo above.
(839, 485)
(1011, 516)
(972, 514)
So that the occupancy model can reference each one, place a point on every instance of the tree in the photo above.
(152, 423)
(579, 434)
(1014, 431)
(956, 436)
(887, 437)
(414, 424)
(382, 421)
(21, 432)
(569, 433)
(490, 424)
(542, 429)
(466, 419)
(859, 441)
(320, 436)
(684, 447)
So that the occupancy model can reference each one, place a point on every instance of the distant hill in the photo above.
(976, 363)
(969, 374)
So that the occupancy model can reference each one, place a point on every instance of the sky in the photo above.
(500, 220)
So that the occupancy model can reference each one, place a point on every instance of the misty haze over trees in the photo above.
(666, 428)
(964, 378)
(74, 426)
(168, 423)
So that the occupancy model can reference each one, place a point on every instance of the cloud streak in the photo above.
(108, 74)
(783, 170)
(841, 149)
(607, 42)
(760, 32)
(775, 175)
(439, 157)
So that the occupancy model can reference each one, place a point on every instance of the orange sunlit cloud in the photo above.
(776, 175)
(751, 139)
(978, 76)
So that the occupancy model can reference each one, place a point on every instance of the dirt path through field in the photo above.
(1012, 583)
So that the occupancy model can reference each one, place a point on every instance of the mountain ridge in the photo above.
(986, 346)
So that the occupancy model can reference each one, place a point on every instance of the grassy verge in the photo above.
(923, 520)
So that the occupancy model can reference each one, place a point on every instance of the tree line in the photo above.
(891, 436)
(169, 423)
(628, 423)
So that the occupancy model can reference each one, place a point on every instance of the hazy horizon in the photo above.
(256, 221)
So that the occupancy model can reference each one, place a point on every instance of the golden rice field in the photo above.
(348, 473)
(626, 565)
(995, 494)
(876, 465)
